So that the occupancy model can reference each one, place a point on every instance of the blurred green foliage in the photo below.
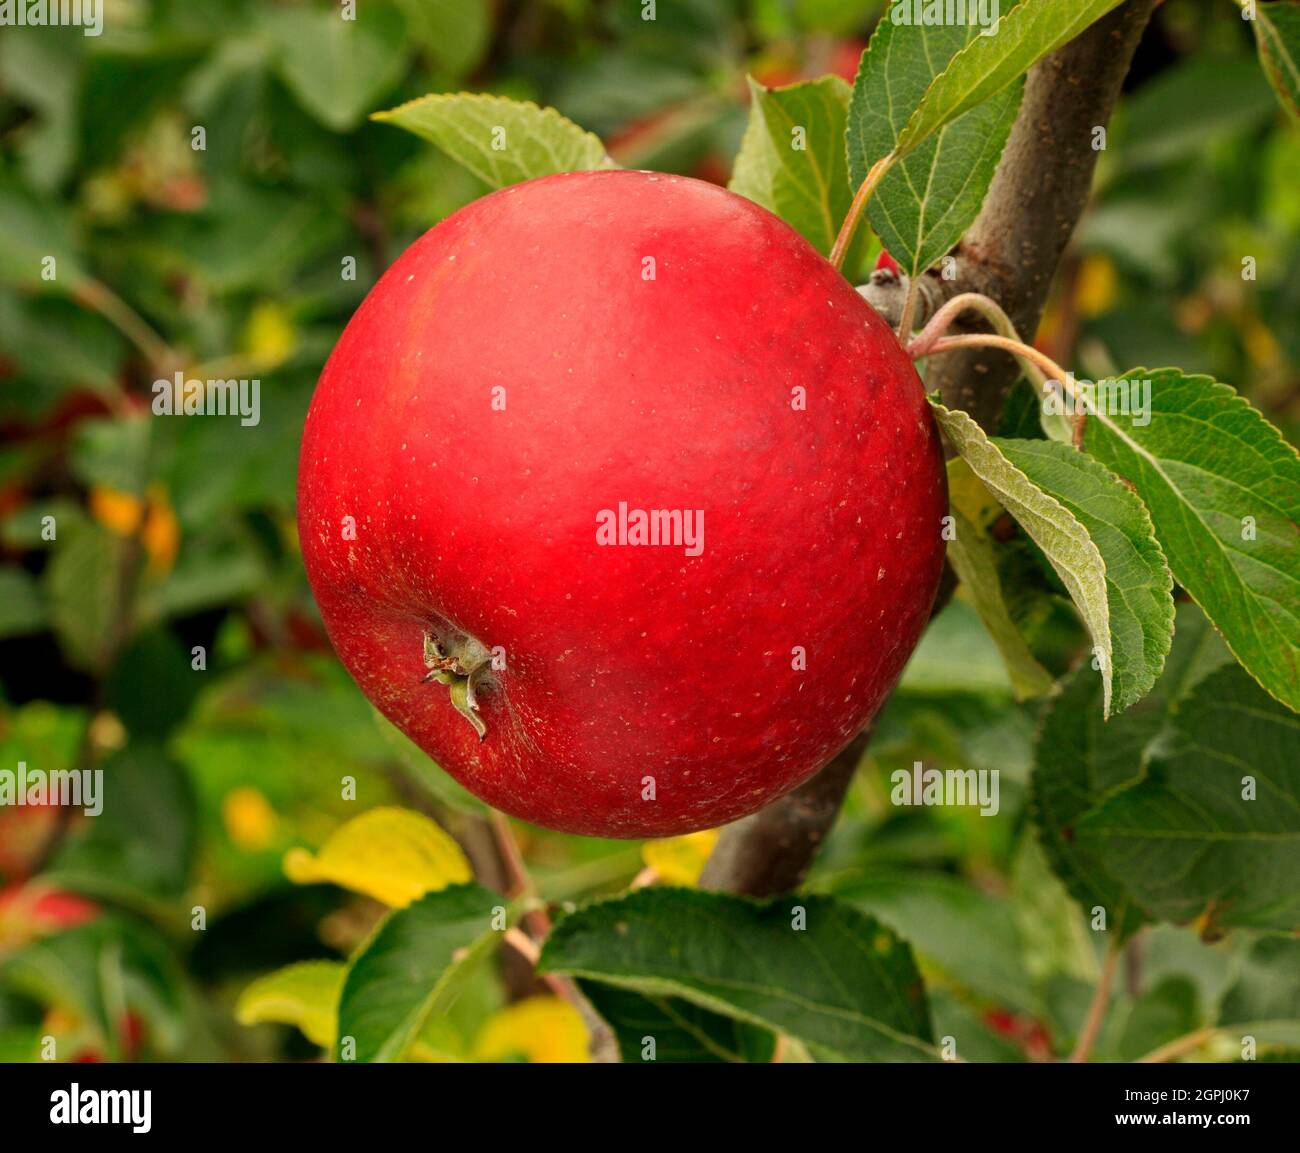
(154, 617)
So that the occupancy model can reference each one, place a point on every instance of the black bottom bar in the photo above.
(319, 1101)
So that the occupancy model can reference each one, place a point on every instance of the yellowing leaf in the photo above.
(269, 335)
(542, 1029)
(119, 512)
(249, 819)
(1097, 286)
(304, 995)
(161, 534)
(680, 860)
(393, 855)
(125, 514)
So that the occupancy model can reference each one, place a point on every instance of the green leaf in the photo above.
(680, 1031)
(1264, 997)
(1163, 1013)
(956, 655)
(138, 848)
(31, 232)
(101, 970)
(337, 68)
(113, 453)
(1054, 528)
(305, 995)
(1204, 99)
(1203, 464)
(456, 33)
(790, 159)
(930, 197)
(1187, 843)
(1277, 35)
(973, 1039)
(22, 610)
(1138, 585)
(972, 557)
(80, 585)
(988, 64)
(968, 936)
(412, 968)
(500, 141)
(1080, 760)
(43, 71)
(843, 984)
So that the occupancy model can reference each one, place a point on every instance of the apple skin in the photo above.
(822, 525)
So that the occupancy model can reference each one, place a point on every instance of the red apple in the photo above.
(587, 340)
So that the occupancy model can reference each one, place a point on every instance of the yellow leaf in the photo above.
(249, 819)
(125, 514)
(119, 512)
(542, 1029)
(269, 335)
(161, 534)
(680, 860)
(1261, 344)
(393, 855)
(304, 995)
(1097, 286)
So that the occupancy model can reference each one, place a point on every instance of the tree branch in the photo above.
(1038, 194)
(1010, 254)
(769, 852)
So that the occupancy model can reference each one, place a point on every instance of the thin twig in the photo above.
(909, 310)
(1179, 1046)
(1097, 1010)
(601, 1042)
(523, 944)
(97, 296)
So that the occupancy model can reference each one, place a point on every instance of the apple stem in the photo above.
(1040, 368)
(909, 311)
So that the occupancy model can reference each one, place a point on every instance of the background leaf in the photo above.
(988, 64)
(681, 1031)
(1138, 584)
(1277, 34)
(1079, 760)
(973, 558)
(845, 984)
(1054, 528)
(393, 855)
(1185, 841)
(412, 968)
(1204, 463)
(338, 68)
(1264, 998)
(305, 995)
(933, 194)
(536, 141)
(808, 186)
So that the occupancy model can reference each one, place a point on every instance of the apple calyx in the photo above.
(459, 661)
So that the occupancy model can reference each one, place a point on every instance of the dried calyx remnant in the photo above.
(460, 662)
